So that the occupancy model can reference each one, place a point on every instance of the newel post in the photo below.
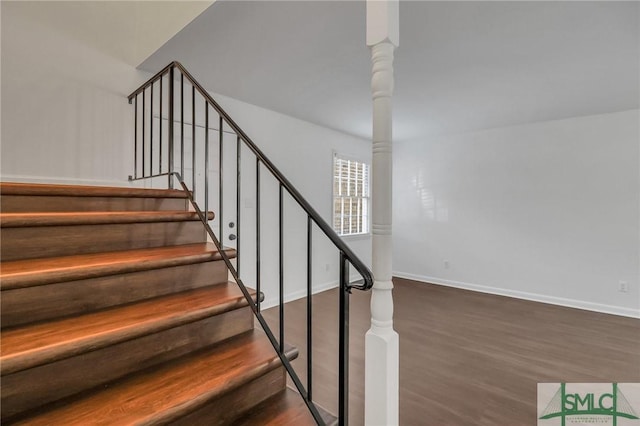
(381, 342)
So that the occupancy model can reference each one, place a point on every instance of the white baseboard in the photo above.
(290, 297)
(571, 303)
(63, 180)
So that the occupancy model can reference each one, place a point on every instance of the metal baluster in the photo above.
(144, 97)
(182, 125)
(193, 140)
(160, 129)
(343, 355)
(206, 157)
(347, 258)
(151, 131)
(220, 189)
(258, 231)
(135, 138)
(281, 267)
(170, 129)
(309, 308)
(238, 189)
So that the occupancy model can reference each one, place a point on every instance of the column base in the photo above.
(382, 361)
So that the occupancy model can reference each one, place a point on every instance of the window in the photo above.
(350, 196)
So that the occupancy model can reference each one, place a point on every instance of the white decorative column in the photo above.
(381, 342)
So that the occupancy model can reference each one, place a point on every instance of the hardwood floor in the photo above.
(466, 358)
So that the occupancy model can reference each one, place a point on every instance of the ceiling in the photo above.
(460, 66)
(127, 30)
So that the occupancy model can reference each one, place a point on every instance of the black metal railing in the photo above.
(155, 140)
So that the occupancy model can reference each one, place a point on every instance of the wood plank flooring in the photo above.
(466, 358)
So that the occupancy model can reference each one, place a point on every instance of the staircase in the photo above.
(116, 310)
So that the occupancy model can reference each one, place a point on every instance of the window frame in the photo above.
(345, 157)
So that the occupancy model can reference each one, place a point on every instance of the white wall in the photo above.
(65, 114)
(66, 119)
(303, 152)
(546, 211)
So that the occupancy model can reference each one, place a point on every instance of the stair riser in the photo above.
(32, 304)
(38, 242)
(32, 203)
(229, 407)
(32, 388)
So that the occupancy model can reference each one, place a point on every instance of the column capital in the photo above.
(383, 22)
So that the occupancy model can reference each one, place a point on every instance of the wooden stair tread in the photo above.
(117, 311)
(14, 188)
(285, 408)
(163, 394)
(20, 220)
(31, 272)
(32, 345)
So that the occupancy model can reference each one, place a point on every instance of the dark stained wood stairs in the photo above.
(116, 310)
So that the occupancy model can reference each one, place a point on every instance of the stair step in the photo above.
(165, 394)
(42, 235)
(20, 197)
(16, 188)
(34, 272)
(284, 408)
(24, 220)
(29, 389)
(225, 411)
(46, 289)
(38, 344)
